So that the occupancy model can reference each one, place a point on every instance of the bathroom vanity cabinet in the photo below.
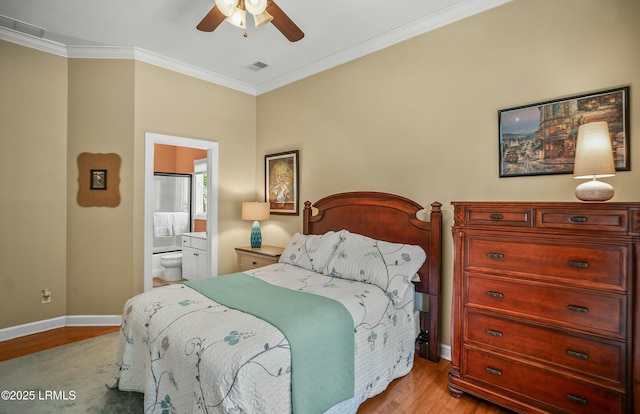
(194, 256)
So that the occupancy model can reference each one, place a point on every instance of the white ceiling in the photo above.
(163, 32)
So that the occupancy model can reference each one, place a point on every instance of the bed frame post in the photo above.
(306, 216)
(430, 322)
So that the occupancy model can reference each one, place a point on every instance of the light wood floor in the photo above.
(423, 390)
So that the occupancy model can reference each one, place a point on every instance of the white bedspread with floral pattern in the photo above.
(189, 354)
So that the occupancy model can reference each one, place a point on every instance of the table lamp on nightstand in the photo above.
(256, 211)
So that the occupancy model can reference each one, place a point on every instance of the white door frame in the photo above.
(212, 198)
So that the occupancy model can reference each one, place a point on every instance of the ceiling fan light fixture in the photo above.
(238, 18)
(235, 12)
(255, 7)
(227, 7)
(262, 19)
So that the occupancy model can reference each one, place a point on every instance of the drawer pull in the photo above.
(578, 219)
(493, 371)
(579, 309)
(576, 399)
(576, 354)
(493, 294)
(496, 255)
(583, 265)
(496, 216)
(254, 262)
(491, 332)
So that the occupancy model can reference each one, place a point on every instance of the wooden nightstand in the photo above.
(250, 258)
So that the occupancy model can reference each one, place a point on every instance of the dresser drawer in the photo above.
(579, 264)
(591, 311)
(592, 356)
(499, 216)
(583, 219)
(561, 393)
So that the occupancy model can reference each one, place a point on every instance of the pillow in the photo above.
(391, 266)
(311, 251)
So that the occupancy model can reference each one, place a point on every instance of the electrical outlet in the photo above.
(46, 296)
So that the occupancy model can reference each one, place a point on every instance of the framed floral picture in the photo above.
(281, 182)
(540, 139)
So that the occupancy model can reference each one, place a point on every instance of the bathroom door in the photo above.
(212, 201)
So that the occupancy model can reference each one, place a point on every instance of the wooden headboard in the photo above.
(391, 218)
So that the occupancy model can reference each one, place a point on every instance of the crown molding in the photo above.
(462, 10)
(122, 52)
(193, 71)
(33, 42)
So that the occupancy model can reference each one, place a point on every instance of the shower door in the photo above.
(171, 211)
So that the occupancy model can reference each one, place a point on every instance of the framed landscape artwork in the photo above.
(281, 182)
(540, 139)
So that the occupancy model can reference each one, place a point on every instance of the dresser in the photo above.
(543, 305)
(250, 258)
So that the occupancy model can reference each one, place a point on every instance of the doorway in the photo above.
(212, 198)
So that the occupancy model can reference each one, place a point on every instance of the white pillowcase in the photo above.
(391, 266)
(311, 251)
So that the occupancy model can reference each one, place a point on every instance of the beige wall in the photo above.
(420, 118)
(99, 241)
(92, 257)
(178, 105)
(33, 184)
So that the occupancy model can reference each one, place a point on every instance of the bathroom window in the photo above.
(200, 189)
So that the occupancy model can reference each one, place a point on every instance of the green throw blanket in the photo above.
(320, 332)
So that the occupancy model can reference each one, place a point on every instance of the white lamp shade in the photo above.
(255, 6)
(594, 156)
(238, 18)
(262, 19)
(255, 211)
(227, 7)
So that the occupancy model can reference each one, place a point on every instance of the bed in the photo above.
(350, 279)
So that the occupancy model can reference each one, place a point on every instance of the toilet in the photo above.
(172, 264)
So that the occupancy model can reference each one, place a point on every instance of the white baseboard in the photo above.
(93, 320)
(59, 322)
(445, 352)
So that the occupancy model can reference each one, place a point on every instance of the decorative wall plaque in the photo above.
(98, 180)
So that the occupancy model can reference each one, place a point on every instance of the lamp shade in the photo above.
(594, 156)
(238, 18)
(255, 6)
(256, 211)
(262, 19)
(227, 7)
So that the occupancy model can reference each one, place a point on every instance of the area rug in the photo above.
(68, 379)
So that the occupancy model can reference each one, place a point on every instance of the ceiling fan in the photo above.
(263, 11)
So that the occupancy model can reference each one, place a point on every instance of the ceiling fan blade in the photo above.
(283, 23)
(211, 20)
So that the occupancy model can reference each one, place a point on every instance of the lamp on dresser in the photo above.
(594, 159)
(256, 211)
